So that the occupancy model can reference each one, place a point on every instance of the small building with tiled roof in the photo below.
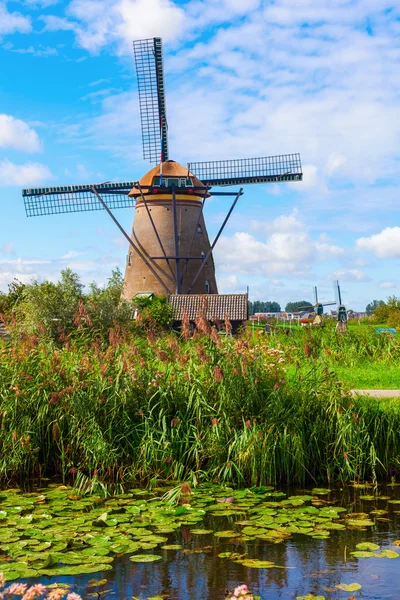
(215, 307)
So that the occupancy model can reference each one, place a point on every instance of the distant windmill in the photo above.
(318, 310)
(341, 309)
(169, 248)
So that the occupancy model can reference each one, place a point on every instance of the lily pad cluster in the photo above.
(54, 532)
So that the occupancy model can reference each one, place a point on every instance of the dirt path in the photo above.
(377, 393)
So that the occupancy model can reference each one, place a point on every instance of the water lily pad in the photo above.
(144, 558)
(320, 491)
(367, 546)
(388, 554)
(226, 534)
(363, 554)
(360, 522)
(254, 563)
(349, 587)
(171, 547)
(310, 597)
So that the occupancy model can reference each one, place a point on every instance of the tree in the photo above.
(372, 306)
(298, 306)
(261, 307)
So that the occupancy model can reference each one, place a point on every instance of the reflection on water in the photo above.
(309, 565)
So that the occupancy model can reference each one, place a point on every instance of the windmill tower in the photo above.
(169, 249)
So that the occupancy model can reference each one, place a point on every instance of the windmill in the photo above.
(169, 248)
(341, 309)
(318, 310)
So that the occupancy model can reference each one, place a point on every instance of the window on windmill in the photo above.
(129, 258)
(207, 287)
(203, 256)
(199, 229)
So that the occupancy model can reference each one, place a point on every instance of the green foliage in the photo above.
(48, 307)
(259, 307)
(155, 312)
(299, 305)
(388, 312)
(372, 306)
(9, 301)
(53, 310)
(208, 408)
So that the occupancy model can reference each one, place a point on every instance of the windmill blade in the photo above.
(76, 198)
(267, 169)
(337, 291)
(153, 116)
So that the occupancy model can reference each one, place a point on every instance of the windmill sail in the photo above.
(153, 116)
(267, 169)
(75, 198)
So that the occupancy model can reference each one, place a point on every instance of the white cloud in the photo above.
(101, 23)
(13, 22)
(387, 285)
(41, 51)
(385, 244)
(288, 249)
(30, 173)
(355, 275)
(17, 134)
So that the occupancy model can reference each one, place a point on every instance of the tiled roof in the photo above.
(215, 306)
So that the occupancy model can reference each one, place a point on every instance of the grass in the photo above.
(251, 410)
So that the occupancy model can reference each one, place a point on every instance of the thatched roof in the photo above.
(215, 306)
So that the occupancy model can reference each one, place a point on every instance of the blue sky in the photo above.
(244, 78)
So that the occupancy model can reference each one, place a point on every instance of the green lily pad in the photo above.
(363, 554)
(310, 597)
(320, 491)
(171, 547)
(225, 534)
(360, 522)
(254, 563)
(350, 587)
(143, 558)
(367, 546)
(389, 554)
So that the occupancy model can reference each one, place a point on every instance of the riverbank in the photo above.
(143, 410)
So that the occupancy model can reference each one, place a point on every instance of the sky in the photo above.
(244, 78)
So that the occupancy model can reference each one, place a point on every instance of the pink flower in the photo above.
(74, 596)
(18, 589)
(56, 594)
(34, 592)
(2, 580)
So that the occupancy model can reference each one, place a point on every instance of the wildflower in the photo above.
(14, 436)
(186, 489)
(74, 596)
(214, 422)
(175, 422)
(218, 375)
(168, 460)
(140, 412)
(345, 455)
(276, 386)
(248, 424)
(2, 580)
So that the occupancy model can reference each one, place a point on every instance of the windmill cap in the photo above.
(170, 168)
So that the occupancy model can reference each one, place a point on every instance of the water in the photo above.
(307, 565)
